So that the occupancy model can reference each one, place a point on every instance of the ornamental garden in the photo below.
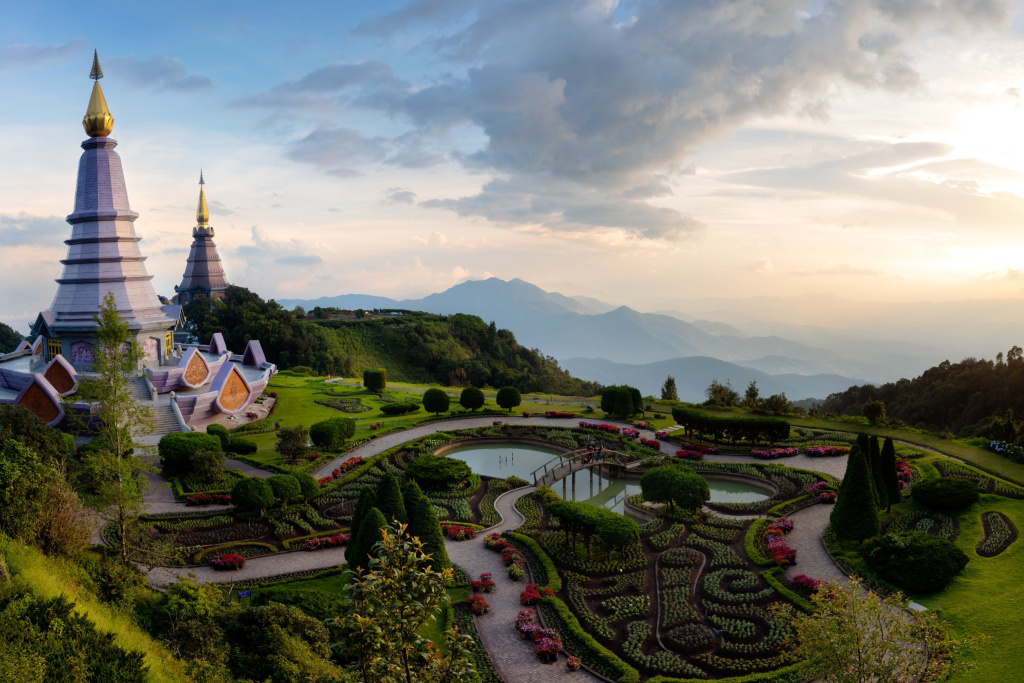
(683, 586)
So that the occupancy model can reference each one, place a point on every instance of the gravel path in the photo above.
(261, 567)
(513, 657)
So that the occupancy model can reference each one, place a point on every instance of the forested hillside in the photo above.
(456, 349)
(963, 397)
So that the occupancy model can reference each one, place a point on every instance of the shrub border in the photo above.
(288, 542)
(756, 528)
(772, 577)
(207, 552)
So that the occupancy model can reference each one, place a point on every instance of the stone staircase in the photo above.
(138, 390)
(164, 421)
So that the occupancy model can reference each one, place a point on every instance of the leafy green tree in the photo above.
(471, 398)
(508, 398)
(436, 472)
(676, 485)
(252, 494)
(177, 449)
(435, 401)
(330, 434)
(377, 632)
(285, 487)
(752, 397)
(375, 379)
(207, 466)
(292, 443)
(668, 389)
(120, 481)
(360, 548)
(389, 499)
(279, 644)
(874, 411)
(721, 395)
(856, 636)
(9, 339)
(428, 530)
(893, 489)
(621, 401)
(855, 515)
(877, 476)
(778, 404)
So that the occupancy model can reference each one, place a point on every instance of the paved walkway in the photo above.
(261, 567)
(806, 538)
(513, 657)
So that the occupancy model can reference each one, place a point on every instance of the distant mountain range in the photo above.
(597, 341)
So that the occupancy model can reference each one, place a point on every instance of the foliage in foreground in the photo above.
(384, 609)
(855, 636)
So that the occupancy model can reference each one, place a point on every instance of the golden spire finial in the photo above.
(202, 213)
(97, 122)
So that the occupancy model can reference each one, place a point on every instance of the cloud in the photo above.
(399, 195)
(762, 266)
(157, 72)
(841, 269)
(20, 55)
(338, 149)
(25, 230)
(585, 105)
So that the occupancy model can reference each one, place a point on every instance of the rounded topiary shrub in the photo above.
(252, 494)
(330, 434)
(308, 487)
(176, 450)
(242, 447)
(437, 472)
(375, 379)
(436, 401)
(221, 432)
(286, 488)
(945, 493)
(914, 561)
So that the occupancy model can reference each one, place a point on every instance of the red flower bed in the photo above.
(324, 480)
(686, 445)
(312, 456)
(557, 413)
(530, 596)
(690, 455)
(458, 533)
(631, 433)
(601, 427)
(345, 467)
(651, 443)
(201, 499)
(826, 451)
(806, 583)
(477, 604)
(326, 542)
(228, 562)
(904, 473)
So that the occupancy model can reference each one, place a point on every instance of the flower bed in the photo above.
(826, 451)
(778, 549)
(706, 450)
(456, 532)
(229, 562)
(600, 426)
(485, 584)
(200, 499)
(775, 453)
(651, 443)
(321, 542)
(690, 455)
(558, 414)
(477, 604)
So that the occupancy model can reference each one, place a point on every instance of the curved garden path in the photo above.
(810, 523)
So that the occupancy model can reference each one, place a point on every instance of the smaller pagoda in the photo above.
(204, 274)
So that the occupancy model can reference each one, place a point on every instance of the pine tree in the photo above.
(389, 499)
(877, 476)
(668, 389)
(367, 500)
(360, 550)
(428, 530)
(893, 489)
(855, 515)
(411, 494)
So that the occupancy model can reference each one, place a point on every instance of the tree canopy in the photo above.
(471, 398)
(436, 401)
(677, 485)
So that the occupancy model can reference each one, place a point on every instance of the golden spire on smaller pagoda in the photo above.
(202, 213)
(97, 122)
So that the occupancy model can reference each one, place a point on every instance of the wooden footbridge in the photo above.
(568, 464)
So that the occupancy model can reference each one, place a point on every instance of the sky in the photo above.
(643, 153)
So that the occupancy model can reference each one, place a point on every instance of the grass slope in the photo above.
(50, 578)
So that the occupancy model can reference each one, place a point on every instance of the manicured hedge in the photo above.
(223, 549)
(790, 674)
(176, 450)
(750, 543)
(331, 434)
(772, 577)
(242, 447)
(399, 408)
(753, 429)
(554, 580)
(945, 494)
(290, 543)
(914, 561)
(621, 671)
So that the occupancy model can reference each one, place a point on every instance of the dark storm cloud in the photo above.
(585, 105)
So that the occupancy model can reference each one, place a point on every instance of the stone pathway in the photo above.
(512, 657)
(261, 567)
(806, 538)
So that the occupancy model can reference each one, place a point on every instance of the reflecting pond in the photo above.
(503, 460)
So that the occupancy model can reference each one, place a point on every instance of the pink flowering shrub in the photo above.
(326, 542)
(806, 583)
(227, 562)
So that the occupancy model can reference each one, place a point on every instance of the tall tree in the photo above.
(389, 499)
(291, 443)
(877, 476)
(384, 611)
(855, 515)
(367, 501)
(893, 490)
(360, 549)
(411, 494)
(752, 397)
(856, 636)
(120, 478)
(668, 389)
(428, 530)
